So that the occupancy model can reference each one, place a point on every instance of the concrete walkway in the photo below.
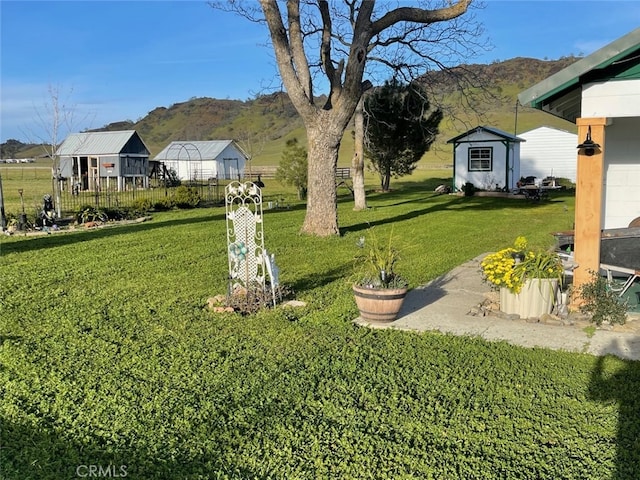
(444, 304)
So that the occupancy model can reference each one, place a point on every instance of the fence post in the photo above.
(3, 218)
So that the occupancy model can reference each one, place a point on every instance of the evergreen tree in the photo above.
(399, 128)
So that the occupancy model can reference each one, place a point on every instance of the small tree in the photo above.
(293, 167)
(399, 128)
(252, 142)
(54, 122)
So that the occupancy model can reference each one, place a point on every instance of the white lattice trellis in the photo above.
(245, 235)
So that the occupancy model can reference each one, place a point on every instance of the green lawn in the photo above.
(108, 359)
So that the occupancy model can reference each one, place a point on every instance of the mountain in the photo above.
(489, 98)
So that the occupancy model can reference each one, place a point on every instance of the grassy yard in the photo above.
(108, 359)
(33, 178)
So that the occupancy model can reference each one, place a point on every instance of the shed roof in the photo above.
(561, 93)
(96, 143)
(549, 129)
(197, 150)
(483, 128)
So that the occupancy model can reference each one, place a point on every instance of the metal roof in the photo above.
(197, 150)
(561, 93)
(96, 143)
(492, 130)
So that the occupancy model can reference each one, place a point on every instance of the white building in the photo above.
(487, 157)
(203, 160)
(548, 152)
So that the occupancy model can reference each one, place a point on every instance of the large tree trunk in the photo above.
(357, 162)
(344, 70)
(322, 207)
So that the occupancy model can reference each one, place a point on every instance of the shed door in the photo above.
(93, 172)
(231, 170)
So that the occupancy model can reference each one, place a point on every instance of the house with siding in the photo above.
(97, 161)
(600, 94)
(487, 157)
(548, 152)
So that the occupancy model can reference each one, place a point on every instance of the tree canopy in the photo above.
(399, 128)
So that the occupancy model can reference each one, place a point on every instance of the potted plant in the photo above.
(528, 279)
(379, 290)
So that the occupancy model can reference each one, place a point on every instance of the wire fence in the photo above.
(24, 187)
(25, 172)
(71, 202)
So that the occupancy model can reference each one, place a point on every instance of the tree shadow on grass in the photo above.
(618, 381)
(452, 203)
(30, 453)
(81, 235)
(320, 279)
(424, 295)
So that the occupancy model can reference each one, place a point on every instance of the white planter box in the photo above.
(538, 296)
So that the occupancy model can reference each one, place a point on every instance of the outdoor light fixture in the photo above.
(589, 146)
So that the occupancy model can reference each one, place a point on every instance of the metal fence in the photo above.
(73, 201)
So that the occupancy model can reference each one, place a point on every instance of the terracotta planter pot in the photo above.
(538, 296)
(381, 305)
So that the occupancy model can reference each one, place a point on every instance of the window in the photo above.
(481, 159)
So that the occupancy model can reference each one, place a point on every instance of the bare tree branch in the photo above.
(334, 44)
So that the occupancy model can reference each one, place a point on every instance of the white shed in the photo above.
(548, 152)
(203, 160)
(487, 157)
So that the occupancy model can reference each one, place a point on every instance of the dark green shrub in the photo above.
(565, 182)
(163, 205)
(117, 213)
(602, 303)
(89, 213)
(186, 197)
(141, 205)
(469, 189)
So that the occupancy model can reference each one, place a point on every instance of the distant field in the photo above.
(33, 178)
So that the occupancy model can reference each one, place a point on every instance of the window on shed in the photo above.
(481, 159)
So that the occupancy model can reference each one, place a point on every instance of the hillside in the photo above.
(490, 93)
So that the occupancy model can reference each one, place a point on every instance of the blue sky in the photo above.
(118, 60)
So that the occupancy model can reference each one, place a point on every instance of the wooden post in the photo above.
(3, 217)
(589, 202)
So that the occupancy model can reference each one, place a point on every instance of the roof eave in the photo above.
(570, 77)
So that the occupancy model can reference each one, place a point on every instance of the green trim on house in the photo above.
(606, 63)
(629, 74)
